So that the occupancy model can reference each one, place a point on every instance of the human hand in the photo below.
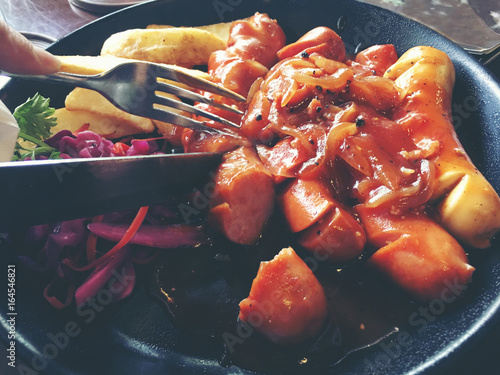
(19, 55)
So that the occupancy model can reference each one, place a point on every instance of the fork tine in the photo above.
(185, 122)
(169, 102)
(186, 94)
(183, 76)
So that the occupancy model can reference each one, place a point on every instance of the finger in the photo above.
(19, 55)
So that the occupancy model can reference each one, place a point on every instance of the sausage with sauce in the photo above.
(286, 304)
(243, 199)
(416, 253)
(251, 50)
(469, 207)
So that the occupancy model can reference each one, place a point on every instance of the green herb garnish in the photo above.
(35, 120)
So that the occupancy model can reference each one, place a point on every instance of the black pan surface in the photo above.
(137, 337)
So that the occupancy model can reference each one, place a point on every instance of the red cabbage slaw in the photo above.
(79, 254)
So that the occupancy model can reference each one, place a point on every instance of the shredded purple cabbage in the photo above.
(86, 144)
(157, 236)
(116, 275)
(57, 245)
(140, 147)
(55, 140)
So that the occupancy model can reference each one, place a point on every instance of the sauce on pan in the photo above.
(201, 290)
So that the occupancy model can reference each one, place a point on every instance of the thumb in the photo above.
(19, 55)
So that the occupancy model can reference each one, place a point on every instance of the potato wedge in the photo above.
(91, 101)
(179, 46)
(89, 65)
(99, 64)
(105, 126)
(220, 29)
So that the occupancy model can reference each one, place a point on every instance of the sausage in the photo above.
(326, 229)
(368, 85)
(252, 47)
(387, 168)
(258, 39)
(337, 237)
(377, 92)
(300, 88)
(243, 198)
(375, 60)
(303, 202)
(234, 72)
(284, 159)
(320, 40)
(416, 253)
(286, 303)
(469, 207)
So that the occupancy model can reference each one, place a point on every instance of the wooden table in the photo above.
(52, 18)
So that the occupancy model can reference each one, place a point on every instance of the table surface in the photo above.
(57, 18)
(53, 18)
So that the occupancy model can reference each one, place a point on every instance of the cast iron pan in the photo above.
(137, 336)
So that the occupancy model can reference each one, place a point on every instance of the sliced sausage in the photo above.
(304, 202)
(286, 304)
(416, 253)
(336, 238)
(243, 198)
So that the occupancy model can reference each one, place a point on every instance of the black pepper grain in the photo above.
(360, 122)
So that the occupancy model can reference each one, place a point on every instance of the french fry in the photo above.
(89, 65)
(179, 46)
(105, 126)
(91, 101)
(99, 64)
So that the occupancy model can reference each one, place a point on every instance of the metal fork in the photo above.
(134, 87)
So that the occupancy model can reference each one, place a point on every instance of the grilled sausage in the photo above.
(303, 202)
(286, 304)
(252, 47)
(243, 198)
(470, 207)
(416, 253)
(337, 238)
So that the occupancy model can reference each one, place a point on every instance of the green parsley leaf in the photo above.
(35, 120)
(34, 117)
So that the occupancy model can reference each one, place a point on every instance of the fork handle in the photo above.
(68, 79)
